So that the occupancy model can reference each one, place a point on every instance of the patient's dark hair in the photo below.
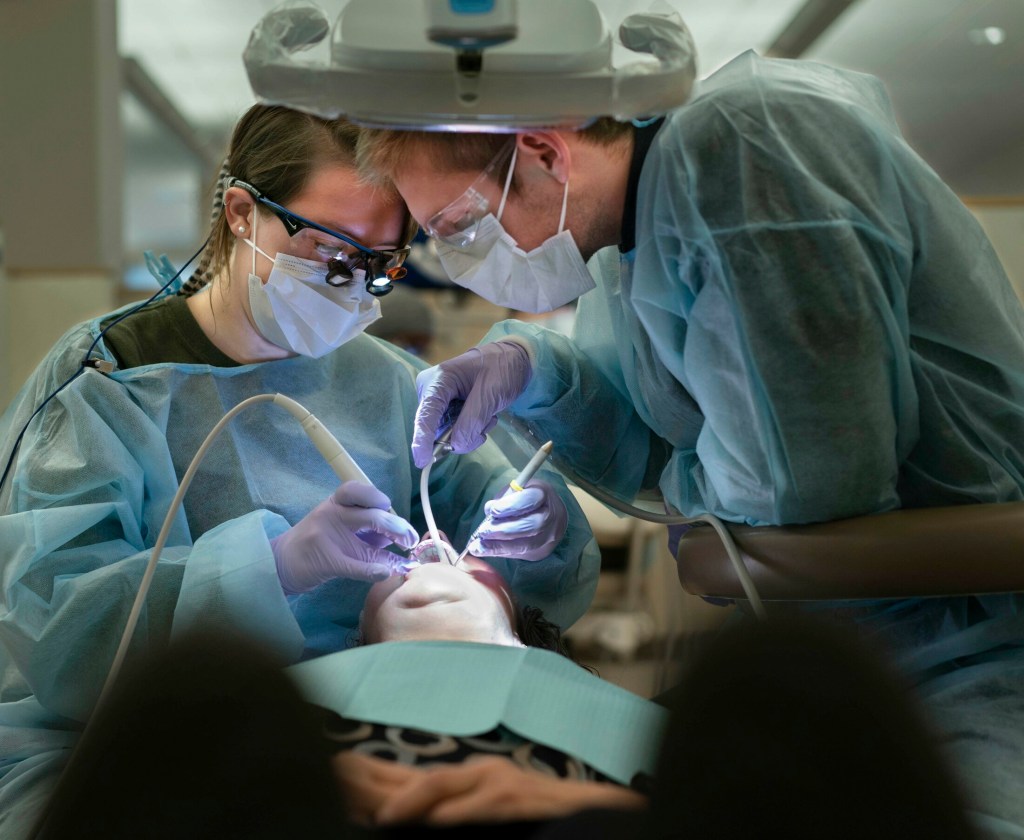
(534, 630)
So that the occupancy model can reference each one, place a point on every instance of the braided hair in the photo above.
(202, 275)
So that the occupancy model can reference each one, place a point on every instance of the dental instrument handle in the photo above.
(443, 445)
(330, 448)
(516, 485)
(534, 464)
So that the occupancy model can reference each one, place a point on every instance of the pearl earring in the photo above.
(241, 228)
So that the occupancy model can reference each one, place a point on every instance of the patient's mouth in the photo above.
(425, 551)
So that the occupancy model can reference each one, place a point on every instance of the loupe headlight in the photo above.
(383, 268)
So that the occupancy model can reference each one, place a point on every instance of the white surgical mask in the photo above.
(298, 310)
(496, 268)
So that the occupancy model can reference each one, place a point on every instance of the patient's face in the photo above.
(469, 603)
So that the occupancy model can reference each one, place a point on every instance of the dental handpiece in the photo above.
(443, 442)
(516, 485)
(336, 456)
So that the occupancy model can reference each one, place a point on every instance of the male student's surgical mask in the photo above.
(298, 310)
(493, 266)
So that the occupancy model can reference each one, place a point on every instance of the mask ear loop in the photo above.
(565, 201)
(252, 242)
(508, 181)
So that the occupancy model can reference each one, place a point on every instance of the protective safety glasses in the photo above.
(344, 255)
(457, 224)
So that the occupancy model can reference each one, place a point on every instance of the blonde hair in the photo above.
(380, 153)
(275, 149)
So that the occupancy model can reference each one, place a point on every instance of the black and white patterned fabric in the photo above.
(420, 749)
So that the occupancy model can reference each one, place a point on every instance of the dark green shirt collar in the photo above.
(642, 139)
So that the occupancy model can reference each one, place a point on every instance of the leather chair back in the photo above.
(962, 550)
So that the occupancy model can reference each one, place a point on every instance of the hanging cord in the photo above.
(428, 513)
(677, 519)
(525, 432)
(102, 365)
(442, 448)
(337, 458)
(333, 452)
(161, 540)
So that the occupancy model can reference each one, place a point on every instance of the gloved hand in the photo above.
(675, 534)
(488, 378)
(527, 524)
(344, 537)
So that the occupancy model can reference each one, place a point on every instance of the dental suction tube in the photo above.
(329, 447)
(527, 435)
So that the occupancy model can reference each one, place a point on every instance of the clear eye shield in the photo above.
(457, 223)
(455, 65)
(343, 253)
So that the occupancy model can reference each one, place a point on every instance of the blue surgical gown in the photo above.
(811, 326)
(93, 481)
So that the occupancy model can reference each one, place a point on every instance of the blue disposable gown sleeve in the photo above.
(768, 288)
(591, 419)
(561, 585)
(771, 278)
(89, 491)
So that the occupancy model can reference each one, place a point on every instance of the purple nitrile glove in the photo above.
(342, 537)
(488, 378)
(527, 524)
(675, 534)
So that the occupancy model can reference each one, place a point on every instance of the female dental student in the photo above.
(267, 544)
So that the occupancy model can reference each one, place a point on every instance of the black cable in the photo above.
(42, 405)
(88, 362)
(145, 303)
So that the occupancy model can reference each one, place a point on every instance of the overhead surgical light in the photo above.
(469, 65)
(989, 36)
